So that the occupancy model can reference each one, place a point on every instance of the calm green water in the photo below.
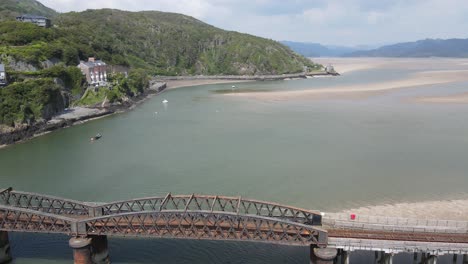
(322, 154)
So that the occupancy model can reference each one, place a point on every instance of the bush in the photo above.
(25, 101)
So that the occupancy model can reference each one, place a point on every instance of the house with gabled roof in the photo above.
(95, 71)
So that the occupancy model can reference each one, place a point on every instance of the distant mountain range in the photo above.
(318, 50)
(421, 48)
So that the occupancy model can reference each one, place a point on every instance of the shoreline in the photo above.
(75, 116)
(359, 90)
(80, 115)
(301, 75)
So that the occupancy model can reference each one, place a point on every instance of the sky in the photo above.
(332, 22)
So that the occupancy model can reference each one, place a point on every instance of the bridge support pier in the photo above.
(90, 250)
(432, 259)
(424, 257)
(465, 259)
(387, 258)
(322, 255)
(81, 250)
(100, 250)
(344, 256)
(5, 253)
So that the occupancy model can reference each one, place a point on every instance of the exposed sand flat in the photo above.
(461, 98)
(346, 65)
(361, 90)
(440, 210)
(184, 83)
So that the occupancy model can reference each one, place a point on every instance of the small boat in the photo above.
(165, 101)
(98, 136)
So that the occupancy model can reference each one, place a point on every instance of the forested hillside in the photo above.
(12, 8)
(149, 43)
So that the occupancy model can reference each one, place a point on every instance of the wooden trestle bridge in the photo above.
(185, 217)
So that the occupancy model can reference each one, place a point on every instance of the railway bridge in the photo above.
(329, 236)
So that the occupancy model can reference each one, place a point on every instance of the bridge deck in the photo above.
(211, 217)
(175, 216)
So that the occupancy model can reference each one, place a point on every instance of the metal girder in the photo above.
(214, 203)
(60, 206)
(206, 225)
(178, 216)
(43, 203)
(25, 220)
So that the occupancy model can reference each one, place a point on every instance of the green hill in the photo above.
(148, 42)
(174, 44)
(163, 43)
(9, 9)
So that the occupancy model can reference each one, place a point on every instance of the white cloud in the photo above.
(343, 22)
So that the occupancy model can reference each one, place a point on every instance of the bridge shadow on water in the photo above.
(41, 249)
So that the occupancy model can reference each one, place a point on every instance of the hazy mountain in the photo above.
(318, 50)
(421, 48)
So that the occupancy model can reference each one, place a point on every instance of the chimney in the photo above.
(91, 59)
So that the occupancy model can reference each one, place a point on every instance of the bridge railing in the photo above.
(211, 203)
(26, 220)
(238, 205)
(43, 203)
(206, 225)
(383, 223)
(166, 224)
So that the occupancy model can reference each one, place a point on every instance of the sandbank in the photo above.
(461, 98)
(172, 84)
(347, 65)
(360, 90)
(441, 210)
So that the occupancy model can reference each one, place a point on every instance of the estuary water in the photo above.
(329, 154)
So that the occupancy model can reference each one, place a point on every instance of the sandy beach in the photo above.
(441, 210)
(457, 71)
(361, 90)
(172, 84)
(347, 65)
(461, 98)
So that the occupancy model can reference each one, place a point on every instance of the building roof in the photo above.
(31, 16)
(2, 68)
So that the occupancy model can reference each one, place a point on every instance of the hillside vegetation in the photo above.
(174, 44)
(9, 9)
(150, 43)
